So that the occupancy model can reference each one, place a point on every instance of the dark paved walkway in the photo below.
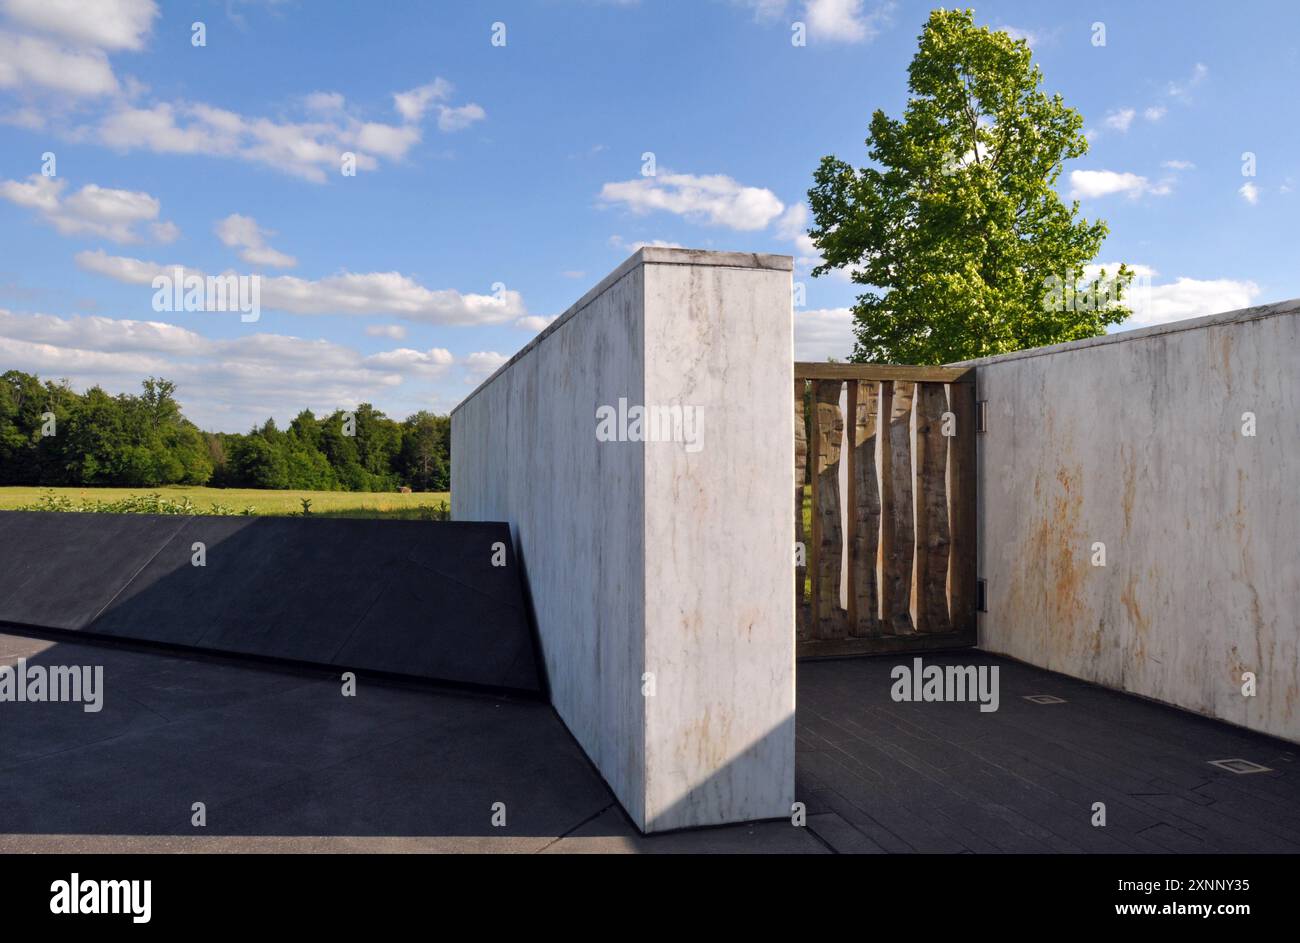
(284, 762)
(943, 777)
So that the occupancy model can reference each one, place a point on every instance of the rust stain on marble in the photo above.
(1130, 484)
(1055, 550)
(1225, 358)
(1137, 618)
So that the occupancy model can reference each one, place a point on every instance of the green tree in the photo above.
(341, 451)
(379, 440)
(95, 442)
(958, 231)
(309, 469)
(190, 448)
(145, 440)
(218, 448)
(60, 400)
(305, 427)
(424, 456)
(27, 454)
(258, 463)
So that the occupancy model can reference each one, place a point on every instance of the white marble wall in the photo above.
(1135, 441)
(664, 565)
(719, 540)
(524, 451)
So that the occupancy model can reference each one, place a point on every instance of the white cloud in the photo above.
(534, 322)
(1182, 90)
(32, 61)
(822, 333)
(715, 199)
(1030, 37)
(311, 149)
(435, 360)
(104, 24)
(62, 46)
(93, 332)
(1121, 119)
(38, 193)
(412, 104)
(793, 227)
(1190, 298)
(1177, 300)
(243, 233)
(458, 119)
(372, 293)
(1144, 273)
(386, 140)
(324, 101)
(793, 224)
(30, 118)
(844, 20)
(1087, 184)
(618, 242)
(224, 384)
(764, 10)
(164, 232)
(93, 210)
(1249, 192)
(1178, 165)
(482, 364)
(395, 332)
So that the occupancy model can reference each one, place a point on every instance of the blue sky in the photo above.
(497, 183)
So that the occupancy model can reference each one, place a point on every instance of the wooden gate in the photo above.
(885, 515)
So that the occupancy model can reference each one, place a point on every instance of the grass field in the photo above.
(323, 503)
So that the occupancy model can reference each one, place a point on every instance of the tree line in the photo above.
(52, 435)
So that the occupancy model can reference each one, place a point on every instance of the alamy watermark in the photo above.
(194, 292)
(82, 684)
(79, 895)
(653, 423)
(1078, 293)
(920, 682)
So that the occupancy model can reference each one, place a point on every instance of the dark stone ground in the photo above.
(284, 763)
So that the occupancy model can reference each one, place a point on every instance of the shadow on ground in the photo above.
(282, 761)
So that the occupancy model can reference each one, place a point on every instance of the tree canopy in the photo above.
(51, 435)
(958, 230)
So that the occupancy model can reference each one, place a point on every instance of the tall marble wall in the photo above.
(1139, 512)
(657, 552)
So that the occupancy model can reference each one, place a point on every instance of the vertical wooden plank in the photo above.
(886, 501)
(896, 582)
(962, 510)
(800, 478)
(815, 522)
(866, 505)
(826, 511)
(931, 510)
(851, 505)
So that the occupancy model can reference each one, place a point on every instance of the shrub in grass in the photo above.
(133, 504)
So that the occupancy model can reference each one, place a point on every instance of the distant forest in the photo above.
(52, 435)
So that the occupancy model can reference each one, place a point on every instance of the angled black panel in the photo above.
(416, 598)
